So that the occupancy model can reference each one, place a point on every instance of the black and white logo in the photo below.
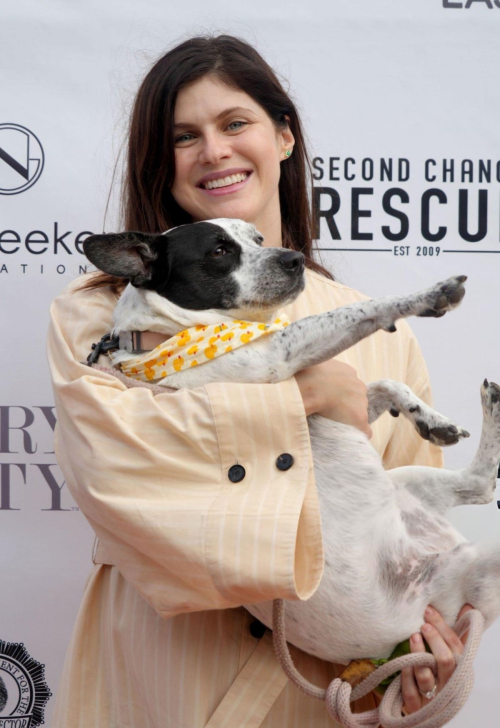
(23, 690)
(21, 159)
(491, 4)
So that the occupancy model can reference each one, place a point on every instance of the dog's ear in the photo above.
(126, 255)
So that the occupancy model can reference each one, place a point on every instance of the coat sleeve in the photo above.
(406, 447)
(155, 476)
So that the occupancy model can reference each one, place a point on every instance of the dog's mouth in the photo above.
(297, 285)
(282, 297)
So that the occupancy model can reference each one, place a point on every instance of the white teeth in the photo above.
(225, 181)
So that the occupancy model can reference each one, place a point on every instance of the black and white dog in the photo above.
(404, 554)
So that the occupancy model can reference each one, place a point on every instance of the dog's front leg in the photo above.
(388, 395)
(315, 339)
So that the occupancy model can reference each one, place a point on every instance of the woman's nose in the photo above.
(214, 147)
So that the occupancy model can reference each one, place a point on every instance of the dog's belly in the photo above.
(377, 580)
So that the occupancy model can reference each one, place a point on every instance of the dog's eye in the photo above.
(217, 254)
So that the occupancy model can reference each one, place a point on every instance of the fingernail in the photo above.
(429, 612)
(415, 638)
(426, 627)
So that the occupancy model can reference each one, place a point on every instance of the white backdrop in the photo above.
(374, 80)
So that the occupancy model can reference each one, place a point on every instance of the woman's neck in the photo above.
(268, 223)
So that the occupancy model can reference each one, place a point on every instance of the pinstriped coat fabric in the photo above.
(160, 639)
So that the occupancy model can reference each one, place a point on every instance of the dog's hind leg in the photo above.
(470, 573)
(388, 395)
(441, 489)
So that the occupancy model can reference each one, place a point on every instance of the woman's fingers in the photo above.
(444, 643)
(414, 679)
(424, 676)
(454, 642)
(412, 700)
(444, 656)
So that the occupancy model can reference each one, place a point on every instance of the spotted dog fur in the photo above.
(389, 550)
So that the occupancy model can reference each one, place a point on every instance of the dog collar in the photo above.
(192, 347)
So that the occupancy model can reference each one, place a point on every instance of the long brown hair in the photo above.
(146, 203)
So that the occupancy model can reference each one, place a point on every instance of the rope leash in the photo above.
(340, 693)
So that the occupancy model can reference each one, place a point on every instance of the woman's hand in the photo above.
(444, 643)
(333, 390)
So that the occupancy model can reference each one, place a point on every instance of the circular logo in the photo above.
(21, 159)
(23, 690)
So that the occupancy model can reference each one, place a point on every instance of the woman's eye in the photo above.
(182, 137)
(237, 122)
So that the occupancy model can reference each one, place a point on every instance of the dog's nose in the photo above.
(292, 260)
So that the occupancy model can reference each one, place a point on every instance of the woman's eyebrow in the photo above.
(183, 124)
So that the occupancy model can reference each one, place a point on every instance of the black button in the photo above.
(257, 629)
(284, 461)
(236, 473)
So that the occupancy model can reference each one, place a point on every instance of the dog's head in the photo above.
(215, 265)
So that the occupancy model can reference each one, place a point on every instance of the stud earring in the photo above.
(288, 152)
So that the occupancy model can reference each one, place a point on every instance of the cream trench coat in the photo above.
(160, 639)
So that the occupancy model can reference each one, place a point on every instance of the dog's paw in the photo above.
(442, 297)
(490, 399)
(433, 426)
(442, 435)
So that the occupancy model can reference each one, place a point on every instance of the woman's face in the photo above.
(215, 139)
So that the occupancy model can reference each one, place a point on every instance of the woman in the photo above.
(161, 638)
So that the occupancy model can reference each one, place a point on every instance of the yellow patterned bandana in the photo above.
(195, 346)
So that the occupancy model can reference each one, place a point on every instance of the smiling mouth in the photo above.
(224, 189)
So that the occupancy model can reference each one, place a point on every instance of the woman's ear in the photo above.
(126, 255)
(287, 138)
